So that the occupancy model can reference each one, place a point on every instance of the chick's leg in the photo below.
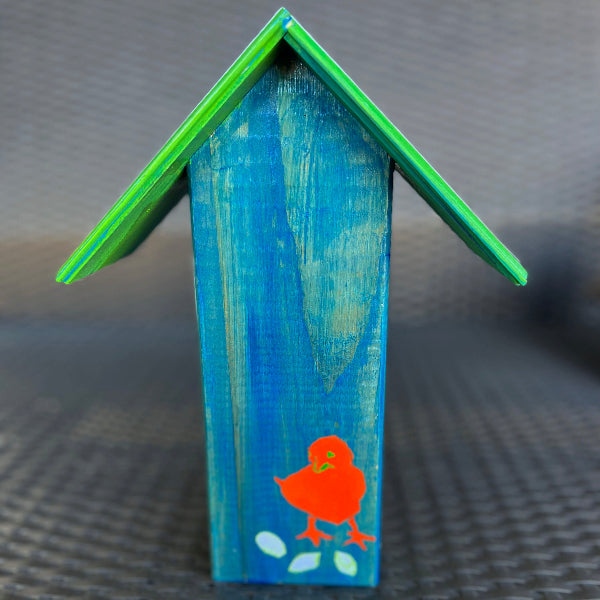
(312, 533)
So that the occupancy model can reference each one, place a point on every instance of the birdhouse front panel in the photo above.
(291, 205)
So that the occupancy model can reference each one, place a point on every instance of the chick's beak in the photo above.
(320, 468)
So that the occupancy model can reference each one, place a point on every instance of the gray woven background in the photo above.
(502, 97)
(492, 452)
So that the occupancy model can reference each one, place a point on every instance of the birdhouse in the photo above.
(289, 169)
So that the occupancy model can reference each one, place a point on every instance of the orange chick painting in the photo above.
(329, 489)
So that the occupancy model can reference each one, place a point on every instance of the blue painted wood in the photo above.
(291, 205)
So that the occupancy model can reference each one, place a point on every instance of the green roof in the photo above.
(162, 183)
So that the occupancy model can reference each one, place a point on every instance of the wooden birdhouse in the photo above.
(289, 170)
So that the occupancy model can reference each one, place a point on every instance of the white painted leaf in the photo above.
(305, 561)
(270, 544)
(345, 563)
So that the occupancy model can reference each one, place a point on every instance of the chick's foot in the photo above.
(357, 537)
(313, 534)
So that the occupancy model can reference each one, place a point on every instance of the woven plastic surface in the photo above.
(492, 468)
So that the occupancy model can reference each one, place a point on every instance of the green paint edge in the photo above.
(131, 216)
(156, 190)
(409, 162)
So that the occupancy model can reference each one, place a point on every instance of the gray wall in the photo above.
(502, 97)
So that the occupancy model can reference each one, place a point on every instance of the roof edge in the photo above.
(150, 197)
(410, 163)
(142, 198)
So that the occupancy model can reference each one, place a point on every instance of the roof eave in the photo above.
(409, 162)
(143, 197)
(147, 200)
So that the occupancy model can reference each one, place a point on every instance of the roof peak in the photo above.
(158, 187)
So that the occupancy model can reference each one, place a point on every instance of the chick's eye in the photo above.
(330, 454)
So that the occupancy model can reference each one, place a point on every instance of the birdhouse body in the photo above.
(291, 203)
(289, 170)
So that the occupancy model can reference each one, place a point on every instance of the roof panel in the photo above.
(155, 191)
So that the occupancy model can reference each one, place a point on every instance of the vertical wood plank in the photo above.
(291, 203)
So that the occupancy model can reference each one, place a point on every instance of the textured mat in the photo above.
(492, 473)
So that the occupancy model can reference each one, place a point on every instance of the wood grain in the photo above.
(291, 205)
